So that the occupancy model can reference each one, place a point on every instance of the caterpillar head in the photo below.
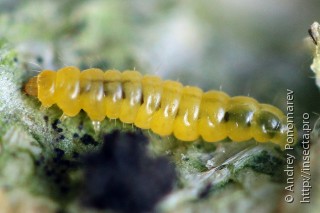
(31, 87)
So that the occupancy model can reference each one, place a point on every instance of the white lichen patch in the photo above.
(20, 201)
(15, 108)
(17, 139)
(228, 164)
(314, 32)
(315, 67)
(17, 171)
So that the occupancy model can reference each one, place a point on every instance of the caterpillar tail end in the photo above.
(31, 87)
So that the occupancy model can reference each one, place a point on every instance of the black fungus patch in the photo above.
(122, 177)
(59, 130)
(268, 164)
(39, 161)
(88, 139)
(61, 137)
(59, 153)
(46, 118)
(54, 172)
(204, 193)
(80, 126)
(55, 124)
(75, 135)
(75, 155)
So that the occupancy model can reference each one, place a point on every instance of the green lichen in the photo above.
(248, 193)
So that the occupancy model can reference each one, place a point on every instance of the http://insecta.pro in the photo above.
(165, 107)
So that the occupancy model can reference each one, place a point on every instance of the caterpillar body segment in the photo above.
(165, 107)
(152, 90)
(113, 93)
(132, 96)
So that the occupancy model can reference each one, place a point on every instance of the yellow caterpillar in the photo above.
(165, 107)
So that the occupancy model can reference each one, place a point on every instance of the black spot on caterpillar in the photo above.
(165, 107)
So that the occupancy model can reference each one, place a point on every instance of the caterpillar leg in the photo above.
(63, 117)
(43, 108)
(96, 126)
